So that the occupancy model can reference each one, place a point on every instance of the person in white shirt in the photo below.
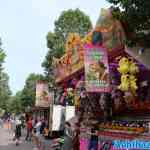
(36, 134)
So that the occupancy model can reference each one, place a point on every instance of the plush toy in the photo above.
(133, 85)
(124, 86)
(133, 67)
(123, 65)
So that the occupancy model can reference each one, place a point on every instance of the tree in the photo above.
(2, 58)
(5, 91)
(69, 21)
(72, 21)
(135, 16)
(28, 93)
(14, 104)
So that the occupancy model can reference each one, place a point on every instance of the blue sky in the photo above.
(23, 28)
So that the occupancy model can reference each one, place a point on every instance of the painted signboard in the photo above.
(96, 69)
(70, 112)
(43, 96)
(58, 118)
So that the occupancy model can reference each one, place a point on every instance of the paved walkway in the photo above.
(6, 142)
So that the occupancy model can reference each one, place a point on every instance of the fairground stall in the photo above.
(44, 97)
(129, 82)
(105, 82)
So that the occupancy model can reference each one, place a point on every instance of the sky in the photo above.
(24, 25)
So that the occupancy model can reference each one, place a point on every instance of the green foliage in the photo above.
(72, 21)
(2, 54)
(135, 14)
(28, 93)
(26, 97)
(5, 92)
(69, 21)
(14, 104)
(2, 58)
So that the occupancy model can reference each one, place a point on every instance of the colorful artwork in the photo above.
(43, 96)
(72, 61)
(113, 36)
(96, 69)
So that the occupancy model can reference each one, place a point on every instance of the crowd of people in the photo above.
(36, 130)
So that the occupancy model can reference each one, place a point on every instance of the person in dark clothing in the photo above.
(43, 125)
(18, 131)
(93, 145)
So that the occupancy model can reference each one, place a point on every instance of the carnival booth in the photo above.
(129, 74)
(99, 77)
(44, 98)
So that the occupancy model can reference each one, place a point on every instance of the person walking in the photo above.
(17, 131)
(29, 129)
(36, 134)
(1, 122)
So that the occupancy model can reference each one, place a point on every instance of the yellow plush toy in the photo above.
(133, 85)
(124, 86)
(124, 65)
(133, 68)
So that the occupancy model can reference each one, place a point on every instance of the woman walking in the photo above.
(17, 131)
(29, 129)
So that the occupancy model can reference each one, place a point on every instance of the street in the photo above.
(6, 142)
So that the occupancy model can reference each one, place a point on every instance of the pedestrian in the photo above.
(36, 134)
(1, 123)
(18, 131)
(93, 145)
(76, 138)
(29, 129)
(68, 137)
(43, 125)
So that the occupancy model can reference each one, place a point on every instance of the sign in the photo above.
(70, 112)
(96, 69)
(43, 96)
(58, 118)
